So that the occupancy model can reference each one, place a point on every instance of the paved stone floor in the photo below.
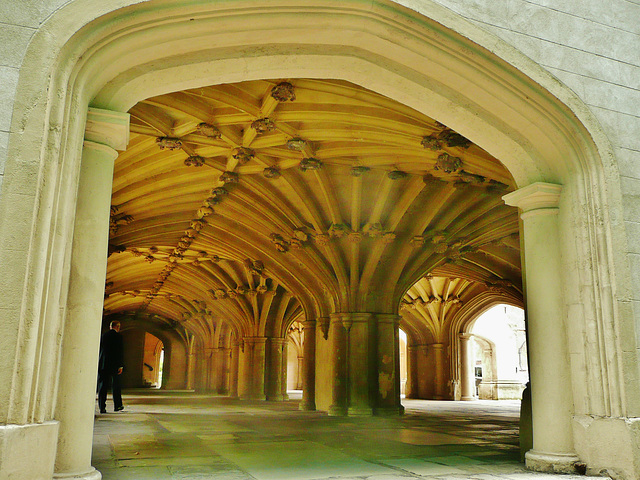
(178, 435)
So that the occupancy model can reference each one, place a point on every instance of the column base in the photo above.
(307, 406)
(337, 411)
(275, 398)
(28, 451)
(258, 398)
(389, 411)
(92, 474)
(551, 462)
(360, 411)
(468, 399)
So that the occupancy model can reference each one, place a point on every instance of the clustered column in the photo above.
(309, 366)
(210, 354)
(191, 367)
(233, 374)
(439, 358)
(411, 389)
(366, 364)
(388, 358)
(254, 360)
(276, 371)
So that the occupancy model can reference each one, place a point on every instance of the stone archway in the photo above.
(499, 100)
(176, 352)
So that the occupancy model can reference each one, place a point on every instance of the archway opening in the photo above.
(500, 353)
(153, 361)
(402, 339)
(295, 359)
(143, 359)
(306, 197)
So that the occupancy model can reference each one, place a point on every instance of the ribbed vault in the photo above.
(260, 202)
(432, 307)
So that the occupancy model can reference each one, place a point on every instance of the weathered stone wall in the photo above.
(593, 48)
(18, 22)
(590, 46)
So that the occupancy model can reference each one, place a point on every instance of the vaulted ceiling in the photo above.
(260, 202)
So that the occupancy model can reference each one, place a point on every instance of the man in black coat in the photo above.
(110, 366)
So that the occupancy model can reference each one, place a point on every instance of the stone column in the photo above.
(411, 389)
(245, 377)
(338, 337)
(360, 332)
(191, 371)
(275, 374)
(467, 371)
(105, 133)
(423, 384)
(233, 373)
(366, 364)
(308, 372)
(222, 370)
(211, 368)
(255, 363)
(259, 365)
(299, 373)
(283, 369)
(388, 365)
(552, 400)
(438, 355)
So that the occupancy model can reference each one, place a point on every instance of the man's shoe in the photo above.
(118, 409)
(103, 411)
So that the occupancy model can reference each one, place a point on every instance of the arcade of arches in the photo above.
(271, 175)
(242, 212)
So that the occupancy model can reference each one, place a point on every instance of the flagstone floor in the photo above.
(180, 435)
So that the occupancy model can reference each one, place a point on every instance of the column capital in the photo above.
(309, 323)
(350, 318)
(108, 128)
(255, 340)
(539, 197)
(465, 336)
(100, 148)
(388, 318)
(324, 323)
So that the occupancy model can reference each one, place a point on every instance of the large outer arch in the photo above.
(424, 56)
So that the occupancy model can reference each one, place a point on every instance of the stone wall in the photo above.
(592, 47)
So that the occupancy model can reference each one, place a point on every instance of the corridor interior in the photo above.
(283, 229)
(182, 435)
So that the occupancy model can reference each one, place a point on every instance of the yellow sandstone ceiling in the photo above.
(258, 202)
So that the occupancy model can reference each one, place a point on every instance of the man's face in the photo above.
(116, 327)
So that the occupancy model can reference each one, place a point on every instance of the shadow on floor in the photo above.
(182, 435)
